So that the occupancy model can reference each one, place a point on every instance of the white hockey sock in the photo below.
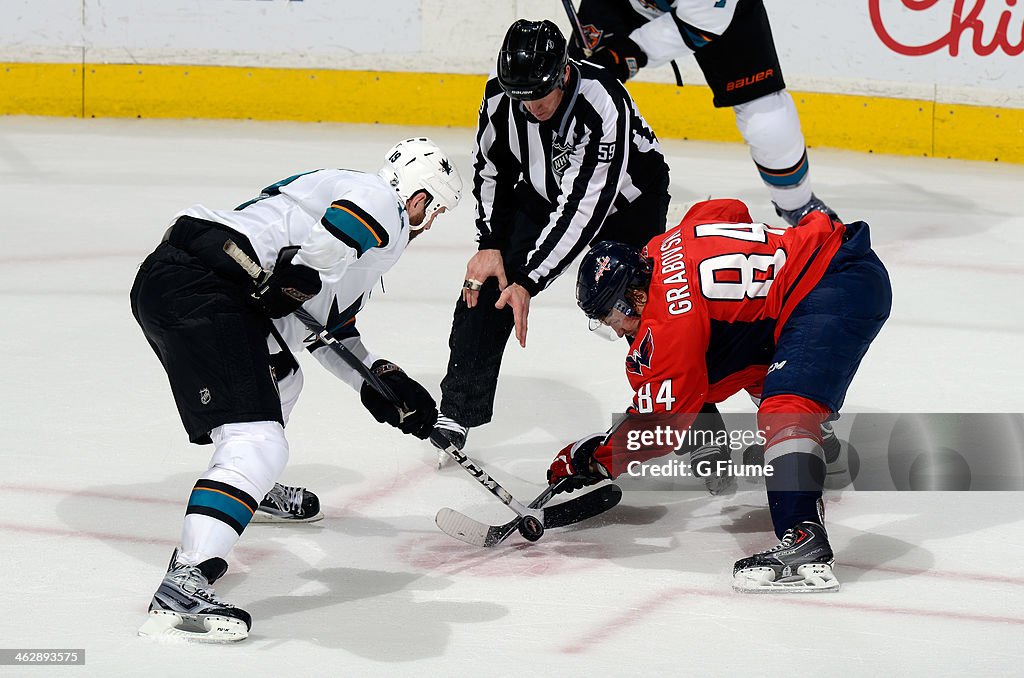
(248, 459)
(771, 127)
(203, 537)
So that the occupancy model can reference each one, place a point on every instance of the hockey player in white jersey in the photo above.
(732, 43)
(227, 346)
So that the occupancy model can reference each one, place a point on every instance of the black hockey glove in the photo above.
(573, 464)
(622, 57)
(421, 408)
(287, 287)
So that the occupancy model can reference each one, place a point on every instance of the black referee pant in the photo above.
(479, 334)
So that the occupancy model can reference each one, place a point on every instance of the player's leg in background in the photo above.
(287, 503)
(708, 448)
(742, 68)
(771, 127)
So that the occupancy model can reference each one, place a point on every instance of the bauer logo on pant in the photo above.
(204, 396)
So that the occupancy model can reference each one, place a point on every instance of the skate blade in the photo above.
(811, 578)
(264, 518)
(166, 625)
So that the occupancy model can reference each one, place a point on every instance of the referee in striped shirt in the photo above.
(562, 159)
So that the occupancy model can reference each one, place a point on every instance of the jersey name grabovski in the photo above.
(596, 153)
(351, 227)
(721, 291)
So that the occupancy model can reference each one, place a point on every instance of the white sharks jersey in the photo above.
(351, 227)
(676, 28)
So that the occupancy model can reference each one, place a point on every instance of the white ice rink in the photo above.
(96, 468)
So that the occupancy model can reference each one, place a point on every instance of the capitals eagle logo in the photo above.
(641, 356)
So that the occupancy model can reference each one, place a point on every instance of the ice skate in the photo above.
(286, 504)
(800, 563)
(711, 464)
(186, 607)
(793, 217)
(452, 433)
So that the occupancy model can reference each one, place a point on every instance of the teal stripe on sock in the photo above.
(218, 501)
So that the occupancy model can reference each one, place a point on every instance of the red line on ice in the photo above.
(387, 488)
(248, 551)
(391, 486)
(33, 489)
(662, 598)
(943, 574)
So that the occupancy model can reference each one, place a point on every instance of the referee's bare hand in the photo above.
(484, 264)
(518, 298)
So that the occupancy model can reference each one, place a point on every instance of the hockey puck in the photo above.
(531, 528)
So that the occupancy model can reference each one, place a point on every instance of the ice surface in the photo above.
(96, 468)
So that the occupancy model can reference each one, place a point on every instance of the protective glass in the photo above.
(610, 325)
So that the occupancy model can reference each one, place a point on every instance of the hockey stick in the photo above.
(574, 19)
(258, 275)
(593, 503)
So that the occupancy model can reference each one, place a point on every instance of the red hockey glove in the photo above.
(575, 462)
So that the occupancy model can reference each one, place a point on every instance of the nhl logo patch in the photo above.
(560, 154)
(204, 396)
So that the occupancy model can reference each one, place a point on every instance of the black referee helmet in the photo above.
(531, 63)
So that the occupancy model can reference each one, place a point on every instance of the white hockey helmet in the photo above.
(417, 164)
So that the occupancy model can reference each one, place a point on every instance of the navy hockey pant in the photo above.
(817, 354)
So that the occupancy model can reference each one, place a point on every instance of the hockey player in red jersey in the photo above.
(720, 304)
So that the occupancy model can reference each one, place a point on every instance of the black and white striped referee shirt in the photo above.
(595, 154)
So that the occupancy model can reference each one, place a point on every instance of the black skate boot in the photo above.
(286, 504)
(793, 217)
(185, 606)
(712, 463)
(800, 563)
(447, 434)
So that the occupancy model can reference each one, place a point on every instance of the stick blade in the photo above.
(586, 506)
(579, 508)
(462, 527)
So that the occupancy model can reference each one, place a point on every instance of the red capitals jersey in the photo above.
(721, 291)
